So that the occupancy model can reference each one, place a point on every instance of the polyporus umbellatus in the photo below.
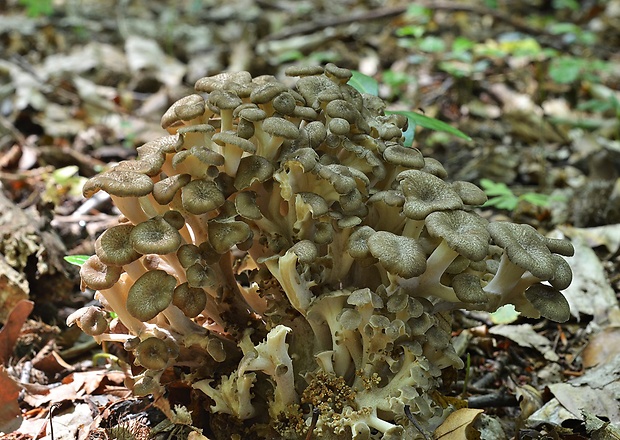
(287, 254)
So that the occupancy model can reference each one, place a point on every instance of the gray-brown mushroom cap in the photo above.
(150, 295)
(224, 235)
(201, 196)
(119, 183)
(185, 109)
(165, 190)
(97, 275)
(468, 289)
(425, 193)
(404, 156)
(280, 127)
(225, 79)
(399, 255)
(469, 193)
(464, 232)
(190, 300)
(92, 320)
(252, 169)
(153, 353)
(155, 236)
(525, 247)
(549, 302)
(114, 248)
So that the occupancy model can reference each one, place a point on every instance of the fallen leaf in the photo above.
(73, 387)
(10, 414)
(525, 336)
(11, 330)
(458, 426)
(602, 348)
(608, 236)
(590, 292)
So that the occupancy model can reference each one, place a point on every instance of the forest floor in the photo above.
(533, 84)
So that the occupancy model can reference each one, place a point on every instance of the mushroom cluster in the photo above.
(290, 257)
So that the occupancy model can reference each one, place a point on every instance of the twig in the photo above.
(52, 408)
(494, 400)
(415, 422)
(315, 418)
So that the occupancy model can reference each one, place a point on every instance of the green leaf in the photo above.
(495, 188)
(432, 44)
(565, 70)
(77, 260)
(364, 83)
(536, 199)
(430, 123)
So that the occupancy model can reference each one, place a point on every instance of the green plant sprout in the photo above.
(76, 260)
(502, 197)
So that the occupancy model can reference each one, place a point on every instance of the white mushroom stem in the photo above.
(507, 276)
(436, 264)
(130, 208)
(285, 271)
(116, 298)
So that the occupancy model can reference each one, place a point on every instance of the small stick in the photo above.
(415, 422)
(315, 418)
(52, 408)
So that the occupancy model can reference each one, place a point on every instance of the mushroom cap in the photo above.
(357, 245)
(114, 248)
(188, 254)
(245, 204)
(284, 103)
(339, 126)
(175, 219)
(223, 80)
(563, 275)
(150, 294)
(464, 232)
(340, 73)
(92, 320)
(165, 190)
(549, 302)
(267, 92)
(303, 70)
(467, 288)
(469, 193)
(525, 247)
(280, 127)
(97, 275)
(200, 276)
(185, 109)
(155, 236)
(201, 196)
(224, 235)
(119, 183)
(404, 156)
(399, 255)
(153, 353)
(230, 138)
(560, 246)
(252, 169)
(425, 193)
(190, 300)
(224, 100)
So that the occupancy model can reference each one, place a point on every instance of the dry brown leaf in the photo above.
(459, 426)
(10, 414)
(74, 387)
(602, 348)
(11, 330)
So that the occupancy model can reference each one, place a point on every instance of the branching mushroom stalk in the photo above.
(300, 263)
